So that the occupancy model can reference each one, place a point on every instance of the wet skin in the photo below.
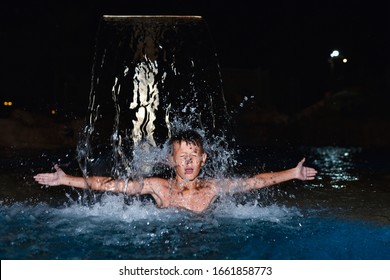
(186, 190)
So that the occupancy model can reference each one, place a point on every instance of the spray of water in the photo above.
(163, 77)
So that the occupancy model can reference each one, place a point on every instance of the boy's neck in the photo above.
(186, 184)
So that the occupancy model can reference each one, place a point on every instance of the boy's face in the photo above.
(188, 160)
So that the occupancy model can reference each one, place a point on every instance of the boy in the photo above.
(186, 190)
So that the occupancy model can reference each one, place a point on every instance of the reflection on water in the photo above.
(345, 214)
(337, 163)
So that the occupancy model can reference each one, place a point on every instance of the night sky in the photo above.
(48, 46)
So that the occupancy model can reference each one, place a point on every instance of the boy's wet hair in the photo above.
(188, 136)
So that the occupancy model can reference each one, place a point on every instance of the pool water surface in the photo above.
(343, 214)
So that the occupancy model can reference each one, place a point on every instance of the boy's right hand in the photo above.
(51, 179)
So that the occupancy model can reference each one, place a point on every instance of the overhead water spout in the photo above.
(151, 75)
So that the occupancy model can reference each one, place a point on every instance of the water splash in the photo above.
(162, 74)
(141, 231)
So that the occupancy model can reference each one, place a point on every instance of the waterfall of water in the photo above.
(151, 75)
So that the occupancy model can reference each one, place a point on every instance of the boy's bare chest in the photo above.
(195, 199)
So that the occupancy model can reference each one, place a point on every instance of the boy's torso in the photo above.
(196, 198)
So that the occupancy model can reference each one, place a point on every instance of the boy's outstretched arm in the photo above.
(262, 180)
(59, 177)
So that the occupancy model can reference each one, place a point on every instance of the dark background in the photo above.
(275, 52)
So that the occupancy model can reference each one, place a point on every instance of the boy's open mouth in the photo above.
(188, 170)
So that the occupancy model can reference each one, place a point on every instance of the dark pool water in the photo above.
(344, 214)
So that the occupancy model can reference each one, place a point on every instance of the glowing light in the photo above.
(53, 112)
(335, 53)
(345, 60)
(145, 100)
(8, 103)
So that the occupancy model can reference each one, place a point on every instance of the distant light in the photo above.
(345, 60)
(7, 103)
(53, 112)
(335, 53)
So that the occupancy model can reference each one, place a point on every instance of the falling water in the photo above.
(152, 75)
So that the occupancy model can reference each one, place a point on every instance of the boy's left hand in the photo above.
(305, 173)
